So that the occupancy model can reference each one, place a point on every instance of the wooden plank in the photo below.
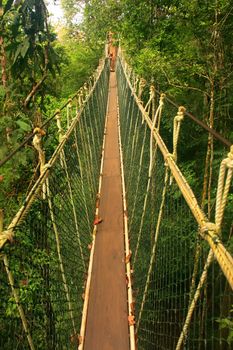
(107, 319)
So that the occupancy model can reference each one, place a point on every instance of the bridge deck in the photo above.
(107, 323)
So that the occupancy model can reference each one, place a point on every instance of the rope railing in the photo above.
(45, 249)
(182, 270)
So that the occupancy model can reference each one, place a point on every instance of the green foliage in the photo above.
(32, 53)
(81, 62)
(100, 17)
(186, 46)
(183, 47)
(227, 324)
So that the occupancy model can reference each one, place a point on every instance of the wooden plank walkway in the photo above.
(107, 318)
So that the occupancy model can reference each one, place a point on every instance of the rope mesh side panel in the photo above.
(50, 254)
(164, 238)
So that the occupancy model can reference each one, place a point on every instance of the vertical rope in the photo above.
(165, 301)
(176, 129)
(61, 264)
(68, 109)
(49, 276)
(157, 117)
(37, 140)
(151, 100)
(138, 177)
(193, 304)
(81, 174)
(64, 165)
(17, 300)
(63, 159)
(142, 84)
(15, 292)
(153, 252)
(224, 182)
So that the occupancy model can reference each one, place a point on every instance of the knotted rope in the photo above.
(37, 139)
(176, 132)
(224, 182)
(68, 108)
(176, 129)
(142, 84)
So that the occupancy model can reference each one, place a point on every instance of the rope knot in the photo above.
(58, 113)
(224, 183)
(169, 155)
(208, 226)
(180, 114)
(6, 236)
(47, 166)
(161, 99)
(152, 91)
(229, 159)
(37, 138)
(228, 162)
(39, 131)
(142, 84)
(37, 144)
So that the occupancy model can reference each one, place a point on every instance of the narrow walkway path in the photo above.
(107, 322)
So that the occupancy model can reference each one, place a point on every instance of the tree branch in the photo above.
(37, 86)
(184, 86)
(34, 90)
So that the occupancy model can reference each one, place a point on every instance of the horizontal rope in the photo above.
(213, 132)
(32, 195)
(28, 138)
(224, 259)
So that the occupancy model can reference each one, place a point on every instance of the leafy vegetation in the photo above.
(39, 73)
(183, 47)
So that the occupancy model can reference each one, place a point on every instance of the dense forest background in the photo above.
(183, 47)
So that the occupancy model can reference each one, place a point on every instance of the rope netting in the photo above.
(182, 274)
(43, 272)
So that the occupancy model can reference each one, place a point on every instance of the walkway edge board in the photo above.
(90, 267)
(127, 250)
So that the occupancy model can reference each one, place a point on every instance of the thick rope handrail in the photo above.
(176, 130)
(224, 182)
(28, 138)
(37, 142)
(58, 226)
(156, 120)
(213, 132)
(32, 195)
(222, 193)
(208, 231)
(78, 94)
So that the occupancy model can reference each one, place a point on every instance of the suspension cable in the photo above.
(213, 132)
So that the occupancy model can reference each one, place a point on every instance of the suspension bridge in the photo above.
(111, 248)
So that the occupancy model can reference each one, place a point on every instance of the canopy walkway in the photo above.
(118, 252)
